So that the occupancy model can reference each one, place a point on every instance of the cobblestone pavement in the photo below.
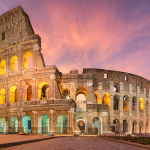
(74, 143)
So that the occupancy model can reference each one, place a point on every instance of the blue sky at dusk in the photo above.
(105, 34)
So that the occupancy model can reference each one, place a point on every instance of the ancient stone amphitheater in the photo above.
(41, 100)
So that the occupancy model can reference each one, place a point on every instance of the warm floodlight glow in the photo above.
(141, 103)
(2, 96)
(81, 90)
(13, 95)
(106, 99)
(25, 59)
(40, 86)
(13, 64)
(99, 100)
(3, 67)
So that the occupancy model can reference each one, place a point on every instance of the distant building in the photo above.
(41, 100)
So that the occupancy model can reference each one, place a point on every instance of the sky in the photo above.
(104, 34)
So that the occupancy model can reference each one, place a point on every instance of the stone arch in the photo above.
(43, 91)
(106, 99)
(99, 100)
(2, 125)
(134, 127)
(26, 56)
(81, 90)
(27, 123)
(2, 96)
(125, 102)
(61, 124)
(13, 125)
(97, 125)
(141, 103)
(115, 127)
(116, 102)
(43, 124)
(3, 67)
(141, 127)
(27, 92)
(13, 94)
(125, 126)
(81, 97)
(14, 63)
(82, 124)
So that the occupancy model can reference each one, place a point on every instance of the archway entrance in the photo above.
(115, 127)
(61, 124)
(140, 127)
(82, 124)
(2, 125)
(13, 125)
(134, 124)
(27, 124)
(97, 124)
(125, 126)
(43, 91)
(43, 124)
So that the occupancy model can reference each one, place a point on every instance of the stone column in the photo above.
(36, 48)
(7, 126)
(34, 123)
(34, 90)
(51, 122)
(71, 120)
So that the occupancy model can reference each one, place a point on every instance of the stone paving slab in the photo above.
(75, 143)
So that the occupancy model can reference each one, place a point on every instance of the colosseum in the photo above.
(41, 100)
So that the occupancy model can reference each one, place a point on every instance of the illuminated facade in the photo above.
(41, 100)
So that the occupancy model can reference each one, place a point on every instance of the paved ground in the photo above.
(72, 143)
(16, 138)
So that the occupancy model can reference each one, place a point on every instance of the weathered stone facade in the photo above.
(42, 100)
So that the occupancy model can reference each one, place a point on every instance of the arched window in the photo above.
(125, 126)
(106, 99)
(29, 93)
(99, 100)
(141, 127)
(3, 67)
(27, 123)
(13, 125)
(43, 124)
(3, 35)
(115, 127)
(61, 124)
(141, 103)
(81, 95)
(13, 94)
(116, 89)
(27, 60)
(116, 102)
(43, 91)
(133, 101)
(97, 124)
(14, 63)
(125, 102)
(2, 96)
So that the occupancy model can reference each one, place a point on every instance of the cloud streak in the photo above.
(96, 34)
